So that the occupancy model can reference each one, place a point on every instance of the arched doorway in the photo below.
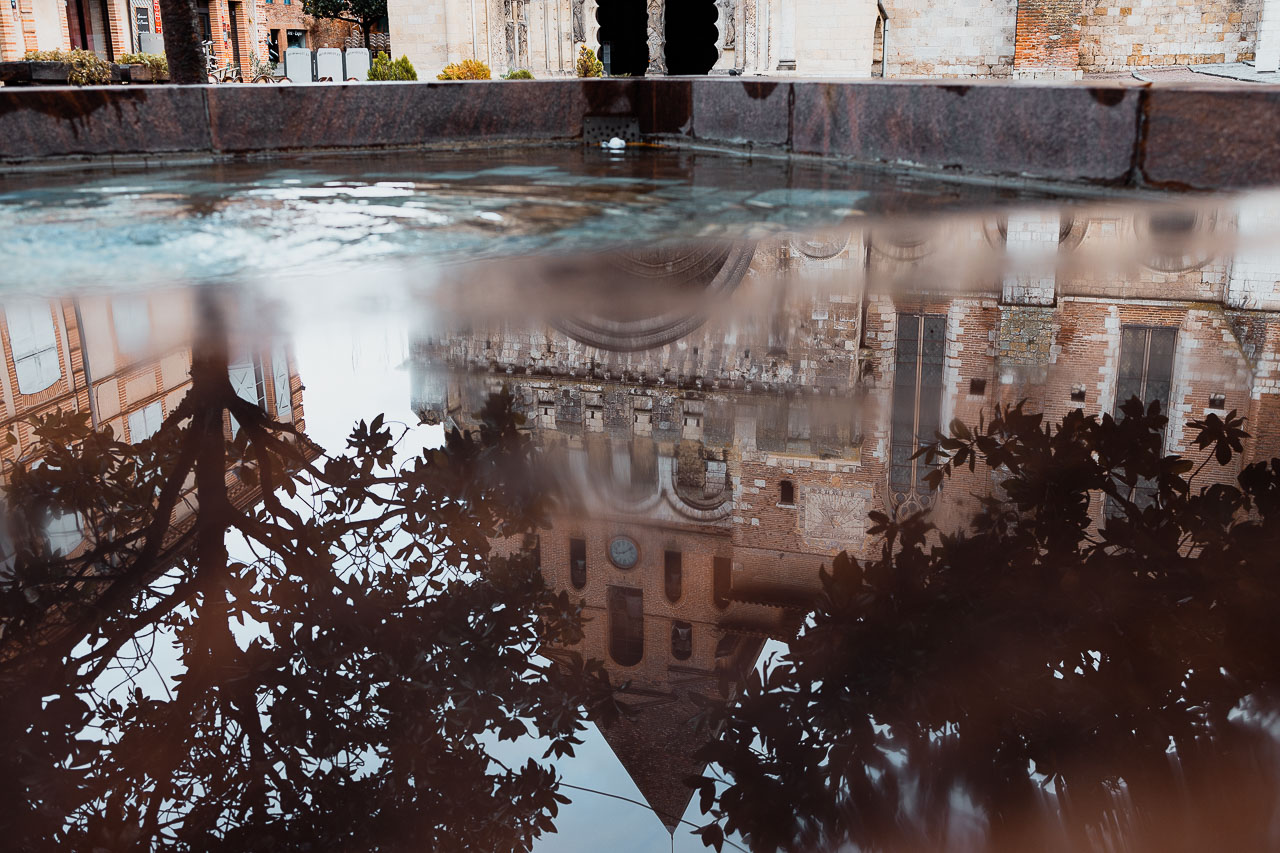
(877, 49)
(691, 34)
(624, 31)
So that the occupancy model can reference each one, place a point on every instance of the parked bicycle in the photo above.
(229, 73)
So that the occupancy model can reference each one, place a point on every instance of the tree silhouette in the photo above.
(363, 13)
(1081, 669)
(346, 642)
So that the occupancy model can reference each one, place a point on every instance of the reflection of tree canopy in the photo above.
(342, 648)
(1080, 685)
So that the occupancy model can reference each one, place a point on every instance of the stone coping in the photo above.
(1103, 135)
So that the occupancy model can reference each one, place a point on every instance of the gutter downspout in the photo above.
(88, 376)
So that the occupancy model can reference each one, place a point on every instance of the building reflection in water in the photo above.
(725, 417)
(123, 362)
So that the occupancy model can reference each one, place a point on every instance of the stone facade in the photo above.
(754, 444)
(967, 38)
(750, 36)
(808, 38)
(1149, 34)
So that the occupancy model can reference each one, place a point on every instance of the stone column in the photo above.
(657, 38)
(1267, 51)
(787, 35)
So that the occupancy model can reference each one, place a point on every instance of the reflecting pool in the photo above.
(566, 500)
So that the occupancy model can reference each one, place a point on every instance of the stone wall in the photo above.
(966, 38)
(1117, 35)
(834, 37)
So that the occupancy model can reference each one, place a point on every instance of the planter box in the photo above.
(142, 74)
(27, 73)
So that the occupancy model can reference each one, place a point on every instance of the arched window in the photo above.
(578, 563)
(673, 575)
(626, 625)
(681, 640)
(721, 581)
(786, 493)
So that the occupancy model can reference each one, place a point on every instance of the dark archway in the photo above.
(691, 36)
(624, 31)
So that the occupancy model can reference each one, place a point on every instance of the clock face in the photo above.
(623, 552)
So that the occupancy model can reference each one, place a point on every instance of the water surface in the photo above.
(562, 500)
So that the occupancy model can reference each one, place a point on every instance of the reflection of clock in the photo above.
(623, 552)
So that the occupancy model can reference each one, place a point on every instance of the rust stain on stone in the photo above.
(1108, 97)
(758, 91)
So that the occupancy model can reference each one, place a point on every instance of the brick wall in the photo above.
(1047, 38)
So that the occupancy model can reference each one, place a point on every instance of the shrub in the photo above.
(517, 74)
(588, 65)
(385, 68)
(158, 64)
(86, 68)
(467, 69)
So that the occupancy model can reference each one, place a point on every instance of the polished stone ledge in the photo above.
(1175, 137)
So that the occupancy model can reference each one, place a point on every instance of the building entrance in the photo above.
(624, 36)
(691, 34)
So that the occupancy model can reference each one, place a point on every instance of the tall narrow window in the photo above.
(64, 532)
(626, 625)
(786, 493)
(280, 379)
(246, 381)
(681, 640)
(1146, 366)
(578, 563)
(673, 575)
(145, 422)
(721, 581)
(8, 553)
(1146, 372)
(35, 345)
(917, 400)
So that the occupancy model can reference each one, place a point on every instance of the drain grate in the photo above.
(597, 129)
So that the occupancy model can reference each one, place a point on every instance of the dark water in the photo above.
(564, 501)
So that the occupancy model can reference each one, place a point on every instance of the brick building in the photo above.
(125, 361)
(715, 455)
(239, 30)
